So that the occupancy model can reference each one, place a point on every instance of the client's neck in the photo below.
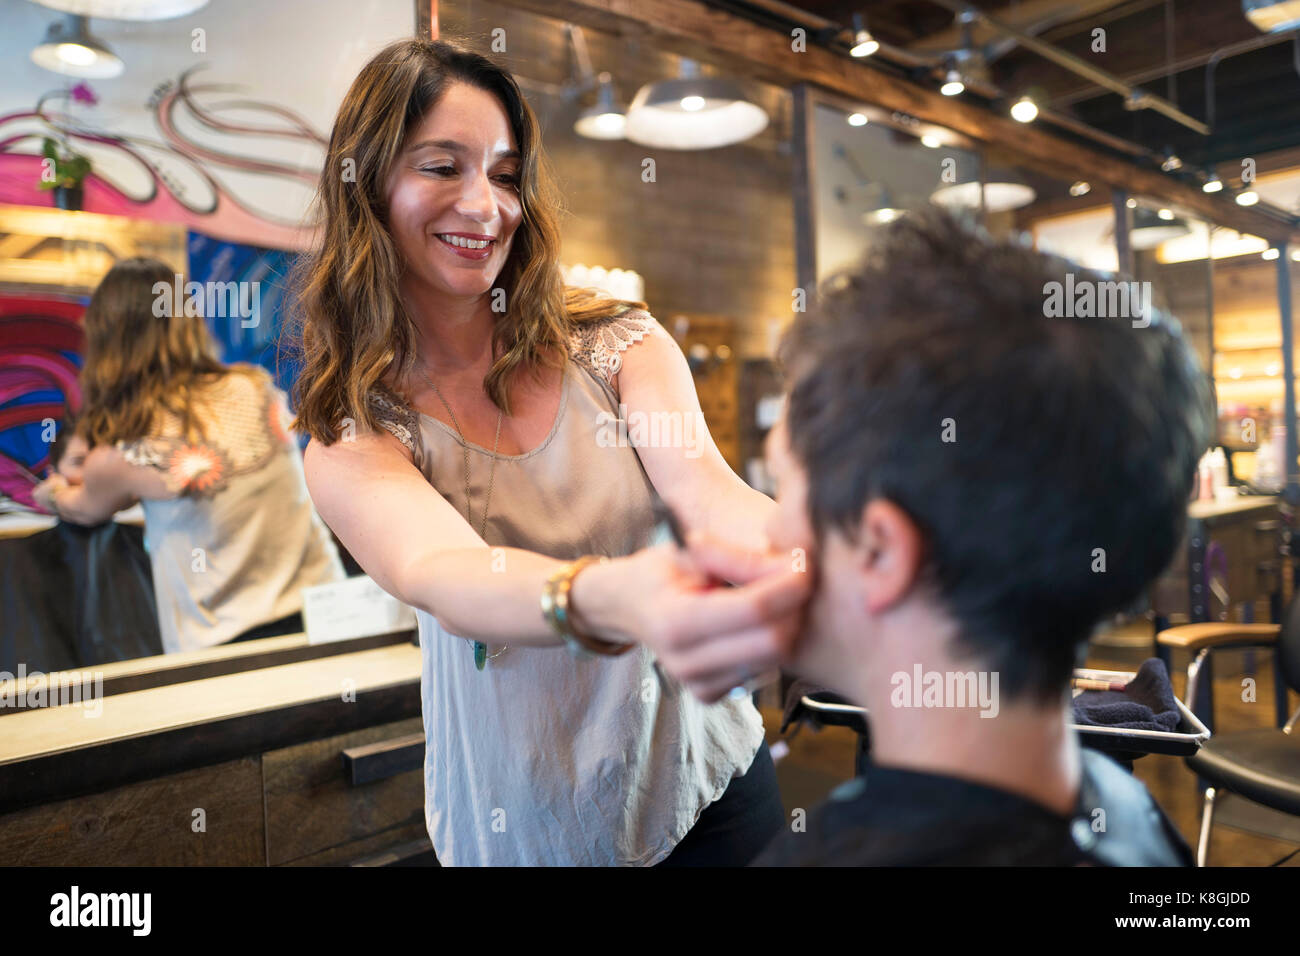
(1022, 746)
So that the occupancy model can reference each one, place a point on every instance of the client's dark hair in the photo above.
(931, 375)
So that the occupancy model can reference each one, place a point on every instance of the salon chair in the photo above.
(1259, 765)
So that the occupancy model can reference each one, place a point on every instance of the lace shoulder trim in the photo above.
(251, 428)
(200, 469)
(395, 417)
(600, 345)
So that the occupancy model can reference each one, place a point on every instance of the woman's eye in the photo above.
(509, 178)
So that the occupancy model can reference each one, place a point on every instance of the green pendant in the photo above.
(480, 655)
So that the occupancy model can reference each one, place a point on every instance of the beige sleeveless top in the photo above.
(242, 539)
(542, 758)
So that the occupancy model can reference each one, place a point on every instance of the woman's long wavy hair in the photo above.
(138, 362)
(348, 323)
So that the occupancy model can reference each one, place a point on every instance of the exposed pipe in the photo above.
(906, 58)
(1180, 66)
(1171, 78)
(1134, 99)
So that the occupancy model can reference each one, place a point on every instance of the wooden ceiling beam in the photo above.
(693, 30)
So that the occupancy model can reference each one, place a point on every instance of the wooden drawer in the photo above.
(151, 823)
(313, 811)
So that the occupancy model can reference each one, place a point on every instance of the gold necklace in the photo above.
(480, 649)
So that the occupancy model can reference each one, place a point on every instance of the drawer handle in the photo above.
(387, 758)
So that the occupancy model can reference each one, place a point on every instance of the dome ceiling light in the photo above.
(693, 112)
(70, 48)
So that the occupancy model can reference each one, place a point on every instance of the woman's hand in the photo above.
(43, 494)
(708, 636)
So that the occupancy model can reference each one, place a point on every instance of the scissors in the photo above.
(669, 528)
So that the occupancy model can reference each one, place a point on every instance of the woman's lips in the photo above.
(464, 253)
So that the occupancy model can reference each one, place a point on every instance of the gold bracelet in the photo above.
(54, 501)
(557, 609)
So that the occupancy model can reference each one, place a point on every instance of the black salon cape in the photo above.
(895, 817)
(74, 597)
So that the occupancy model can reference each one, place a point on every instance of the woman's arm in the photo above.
(418, 548)
(109, 483)
(655, 383)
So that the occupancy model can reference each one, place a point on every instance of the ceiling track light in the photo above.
(864, 44)
(1212, 184)
(1024, 110)
(953, 84)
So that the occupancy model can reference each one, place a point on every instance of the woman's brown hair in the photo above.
(138, 361)
(348, 322)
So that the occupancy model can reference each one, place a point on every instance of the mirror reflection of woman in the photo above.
(231, 532)
(456, 393)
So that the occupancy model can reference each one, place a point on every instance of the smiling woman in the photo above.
(455, 391)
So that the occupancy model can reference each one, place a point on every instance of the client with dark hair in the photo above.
(980, 485)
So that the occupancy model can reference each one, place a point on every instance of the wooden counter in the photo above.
(255, 755)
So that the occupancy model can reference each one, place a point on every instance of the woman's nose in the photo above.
(477, 201)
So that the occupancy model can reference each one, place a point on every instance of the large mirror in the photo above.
(191, 136)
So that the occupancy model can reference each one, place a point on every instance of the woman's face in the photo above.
(70, 463)
(458, 173)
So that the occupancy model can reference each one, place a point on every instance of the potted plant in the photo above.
(69, 170)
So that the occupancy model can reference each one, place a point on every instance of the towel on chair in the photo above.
(1146, 704)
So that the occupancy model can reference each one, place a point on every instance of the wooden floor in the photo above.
(818, 760)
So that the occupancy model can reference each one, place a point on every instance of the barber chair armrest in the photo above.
(1196, 637)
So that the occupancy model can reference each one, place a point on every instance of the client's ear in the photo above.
(889, 550)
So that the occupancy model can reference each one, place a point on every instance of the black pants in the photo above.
(289, 624)
(738, 825)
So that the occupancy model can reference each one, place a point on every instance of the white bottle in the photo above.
(1205, 479)
(1223, 491)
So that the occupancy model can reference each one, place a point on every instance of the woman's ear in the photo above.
(889, 551)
